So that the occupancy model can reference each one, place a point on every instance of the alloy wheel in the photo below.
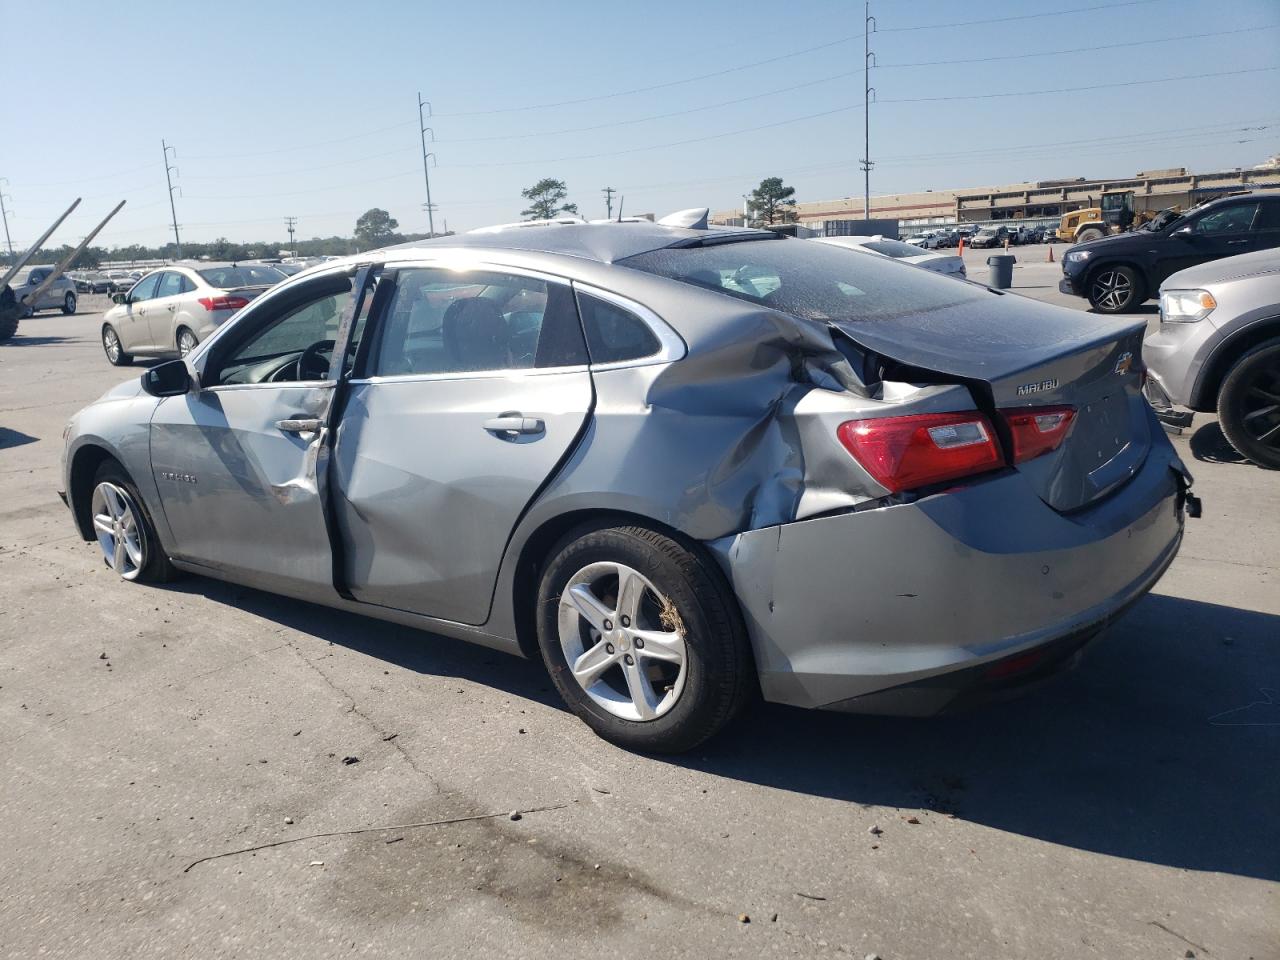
(111, 344)
(186, 342)
(115, 521)
(623, 641)
(1261, 403)
(1112, 290)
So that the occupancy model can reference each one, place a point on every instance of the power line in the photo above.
(1019, 16)
(852, 107)
(1089, 49)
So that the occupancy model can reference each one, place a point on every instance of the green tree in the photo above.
(772, 202)
(376, 228)
(545, 198)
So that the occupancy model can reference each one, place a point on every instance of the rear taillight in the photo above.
(1037, 430)
(902, 453)
(222, 303)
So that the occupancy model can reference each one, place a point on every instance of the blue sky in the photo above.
(309, 109)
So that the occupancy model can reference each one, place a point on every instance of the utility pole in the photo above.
(290, 223)
(608, 202)
(868, 23)
(4, 215)
(169, 170)
(426, 176)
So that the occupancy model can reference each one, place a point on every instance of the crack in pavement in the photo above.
(386, 736)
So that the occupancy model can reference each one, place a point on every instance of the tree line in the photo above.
(771, 202)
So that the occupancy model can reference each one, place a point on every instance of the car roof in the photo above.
(1257, 263)
(603, 242)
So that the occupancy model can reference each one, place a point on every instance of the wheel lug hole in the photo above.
(639, 643)
(608, 648)
(626, 621)
(630, 659)
(608, 624)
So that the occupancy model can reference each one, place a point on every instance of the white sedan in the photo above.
(170, 311)
(945, 263)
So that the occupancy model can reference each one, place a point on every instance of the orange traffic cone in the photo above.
(960, 248)
(1006, 243)
(1050, 253)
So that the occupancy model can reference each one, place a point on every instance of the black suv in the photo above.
(1119, 273)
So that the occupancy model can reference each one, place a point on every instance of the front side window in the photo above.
(1235, 218)
(290, 342)
(445, 321)
(144, 289)
(810, 280)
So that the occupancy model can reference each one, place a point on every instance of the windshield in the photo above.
(244, 275)
(811, 280)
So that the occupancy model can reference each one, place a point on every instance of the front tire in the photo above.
(643, 639)
(69, 304)
(1249, 405)
(112, 348)
(1116, 289)
(125, 532)
(1084, 236)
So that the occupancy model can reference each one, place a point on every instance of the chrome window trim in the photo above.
(505, 373)
(466, 264)
(671, 345)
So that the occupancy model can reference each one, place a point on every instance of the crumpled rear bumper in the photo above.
(928, 598)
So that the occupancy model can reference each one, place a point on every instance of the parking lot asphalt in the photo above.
(152, 736)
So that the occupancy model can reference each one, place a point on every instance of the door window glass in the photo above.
(1236, 218)
(1269, 218)
(614, 334)
(444, 321)
(290, 342)
(170, 284)
(144, 289)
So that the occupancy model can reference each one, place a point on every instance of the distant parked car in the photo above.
(61, 295)
(92, 283)
(1119, 273)
(925, 241)
(1218, 348)
(944, 263)
(168, 312)
(988, 237)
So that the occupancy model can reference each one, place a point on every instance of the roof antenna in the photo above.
(621, 200)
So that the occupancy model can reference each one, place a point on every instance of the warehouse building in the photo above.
(1039, 201)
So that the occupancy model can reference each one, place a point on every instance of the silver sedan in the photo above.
(169, 311)
(1218, 350)
(682, 467)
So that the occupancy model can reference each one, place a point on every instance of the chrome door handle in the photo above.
(1235, 243)
(512, 424)
(300, 426)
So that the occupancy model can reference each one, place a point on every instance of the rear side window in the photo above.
(1269, 216)
(170, 284)
(810, 280)
(446, 321)
(1233, 218)
(614, 334)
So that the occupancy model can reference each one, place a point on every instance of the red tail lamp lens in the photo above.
(902, 453)
(1037, 430)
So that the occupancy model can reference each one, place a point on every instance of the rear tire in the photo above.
(1249, 405)
(186, 341)
(125, 531)
(112, 348)
(1116, 289)
(684, 645)
(1084, 236)
(69, 304)
(8, 326)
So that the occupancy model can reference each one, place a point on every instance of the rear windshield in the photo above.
(245, 275)
(811, 280)
(893, 248)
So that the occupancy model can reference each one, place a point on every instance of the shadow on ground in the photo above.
(23, 340)
(1160, 747)
(15, 438)
(1211, 445)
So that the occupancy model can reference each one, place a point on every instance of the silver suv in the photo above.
(61, 294)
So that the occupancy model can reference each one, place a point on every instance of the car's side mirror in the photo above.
(119, 298)
(168, 379)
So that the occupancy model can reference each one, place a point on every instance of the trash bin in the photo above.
(1000, 274)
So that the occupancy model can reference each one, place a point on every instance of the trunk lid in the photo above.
(1014, 353)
